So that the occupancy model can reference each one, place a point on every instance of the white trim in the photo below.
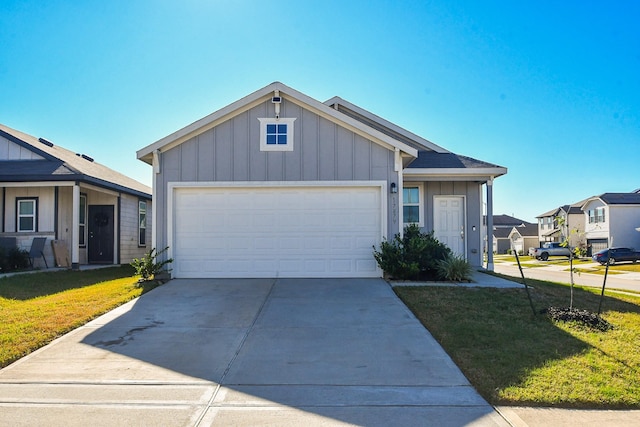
(38, 184)
(336, 101)
(258, 97)
(263, 134)
(464, 217)
(421, 203)
(34, 215)
(172, 186)
(452, 172)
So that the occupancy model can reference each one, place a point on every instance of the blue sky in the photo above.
(549, 89)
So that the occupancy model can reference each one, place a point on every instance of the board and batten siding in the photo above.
(323, 151)
(45, 208)
(129, 248)
(9, 150)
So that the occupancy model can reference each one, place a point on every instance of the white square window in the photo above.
(27, 215)
(412, 206)
(276, 134)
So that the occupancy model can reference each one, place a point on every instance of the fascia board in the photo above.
(28, 146)
(249, 101)
(592, 199)
(346, 121)
(410, 135)
(207, 122)
(489, 172)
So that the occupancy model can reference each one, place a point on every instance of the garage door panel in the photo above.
(276, 232)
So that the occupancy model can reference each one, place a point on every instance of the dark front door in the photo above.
(100, 234)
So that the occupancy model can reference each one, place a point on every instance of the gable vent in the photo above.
(45, 142)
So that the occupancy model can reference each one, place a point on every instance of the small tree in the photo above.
(148, 266)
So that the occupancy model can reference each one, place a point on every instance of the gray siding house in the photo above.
(278, 184)
(612, 219)
(98, 215)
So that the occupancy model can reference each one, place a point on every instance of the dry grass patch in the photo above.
(37, 308)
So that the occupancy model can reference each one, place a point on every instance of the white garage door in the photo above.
(276, 231)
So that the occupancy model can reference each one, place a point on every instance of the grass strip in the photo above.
(514, 358)
(39, 307)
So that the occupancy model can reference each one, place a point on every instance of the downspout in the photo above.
(490, 224)
(397, 167)
(154, 186)
(4, 207)
(75, 228)
(55, 211)
(117, 248)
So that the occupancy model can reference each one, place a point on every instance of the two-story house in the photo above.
(562, 223)
(612, 219)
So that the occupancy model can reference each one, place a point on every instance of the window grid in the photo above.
(82, 229)
(26, 215)
(142, 223)
(276, 134)
(411, 205)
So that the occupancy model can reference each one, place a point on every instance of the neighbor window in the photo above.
(26, 215)
(276, 134)
(142, 223)
(596, 215)
(82, 221)
(412, 205)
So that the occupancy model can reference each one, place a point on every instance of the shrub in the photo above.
(454, 268)
(413, 256)
(148, 266)
(13, 259)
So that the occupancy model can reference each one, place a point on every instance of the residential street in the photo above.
(558, 273)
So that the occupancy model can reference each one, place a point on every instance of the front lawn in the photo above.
(514, 358)
(36, 308)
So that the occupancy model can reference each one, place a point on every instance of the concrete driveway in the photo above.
(246, 352)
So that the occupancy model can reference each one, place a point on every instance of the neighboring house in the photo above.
(502, 229)
(550, 229)
(612, 219)
(507, 221)
(48, 191)
(524, 238)
(501, 242)
(278, 184)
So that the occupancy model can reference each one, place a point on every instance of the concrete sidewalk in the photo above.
(246, 352)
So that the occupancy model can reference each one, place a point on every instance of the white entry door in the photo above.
(448, 219)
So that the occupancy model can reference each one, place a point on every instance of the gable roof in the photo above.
(384, 126)
(501, 233)
(529, 230)
(508, 221)
(616, 199)
(56, 163)
(419, 156)
(575, 208)
(146, 154)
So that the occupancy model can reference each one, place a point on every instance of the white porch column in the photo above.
(490, 224)
(75, 228)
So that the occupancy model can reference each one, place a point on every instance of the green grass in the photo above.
(515, 358)
(36, 308)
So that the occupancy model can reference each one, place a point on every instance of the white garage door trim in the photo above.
(332, 186)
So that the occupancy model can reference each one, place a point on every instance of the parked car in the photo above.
(615, 255)
(551, 249)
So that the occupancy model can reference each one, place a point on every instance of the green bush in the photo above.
(148, 266)
(454, 268)
(413, 256)
(13, 259)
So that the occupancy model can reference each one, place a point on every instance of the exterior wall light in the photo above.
(393, 188)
